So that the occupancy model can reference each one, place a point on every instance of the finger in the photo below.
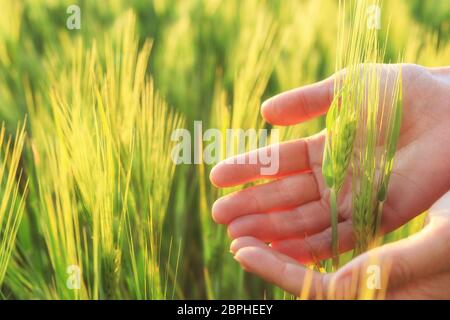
(286, 158)
(299, 104)
(418, 256)
(289, 276)
(239, 243)
(318, 246)
(283, 193)
(300, 222)
(243, 242)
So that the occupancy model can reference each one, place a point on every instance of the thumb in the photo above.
(398, 263)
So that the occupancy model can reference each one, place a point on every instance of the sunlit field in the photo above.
(93, 203)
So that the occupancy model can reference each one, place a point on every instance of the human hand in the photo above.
(414, 268)
(291, 212)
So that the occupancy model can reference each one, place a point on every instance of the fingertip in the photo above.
(234, 246)
(240, 258)
(243, 242)
(246, 256)
(238, 244)
(217, 211)
(299, 104)
(265, 109)
(256, 259)
(214, 175)
(273, 113)
(220, 175)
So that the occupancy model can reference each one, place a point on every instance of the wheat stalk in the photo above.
(11, 197)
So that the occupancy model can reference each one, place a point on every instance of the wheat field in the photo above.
(88, 185)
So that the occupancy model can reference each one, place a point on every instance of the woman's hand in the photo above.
(416, 268)
(291, 212)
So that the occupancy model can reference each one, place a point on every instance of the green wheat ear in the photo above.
(357, 50)
(374, 164)
(393, 136)
(336, 160)
(394, 126)
(12, 199)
